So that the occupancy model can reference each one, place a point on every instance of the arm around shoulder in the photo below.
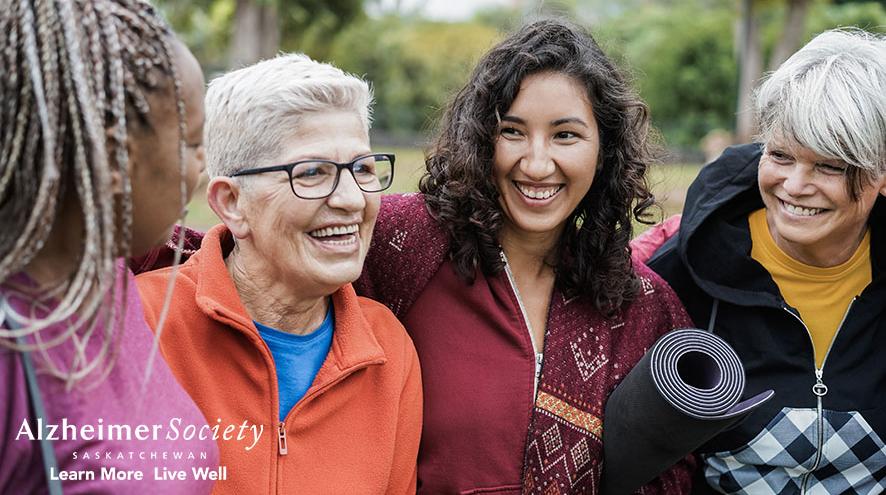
(671, 310)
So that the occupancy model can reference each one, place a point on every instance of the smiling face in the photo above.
(810, 213)
(317, 244)
(546, 154)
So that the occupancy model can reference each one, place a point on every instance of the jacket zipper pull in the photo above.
(819, 389)
(281, 439)
(538, 359)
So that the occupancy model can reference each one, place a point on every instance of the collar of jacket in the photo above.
(354, 344)
(714, 241)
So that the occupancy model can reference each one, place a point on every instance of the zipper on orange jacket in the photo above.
(281, 439)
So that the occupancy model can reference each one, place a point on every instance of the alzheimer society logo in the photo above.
(174, 430)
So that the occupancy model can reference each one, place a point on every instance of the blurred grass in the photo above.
(668, 183)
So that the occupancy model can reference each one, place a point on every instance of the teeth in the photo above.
(537, 192)
(799, 210)
(336, 230)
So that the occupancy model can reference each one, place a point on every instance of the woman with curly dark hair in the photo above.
(512, 269)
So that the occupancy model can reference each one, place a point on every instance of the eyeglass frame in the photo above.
(288, 168)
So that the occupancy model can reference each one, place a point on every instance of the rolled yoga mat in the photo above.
(682, 393)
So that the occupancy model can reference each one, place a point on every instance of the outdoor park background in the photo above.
(694, 61)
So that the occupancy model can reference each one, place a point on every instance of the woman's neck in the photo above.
(57, 259)
(274, 303)
(529, 253)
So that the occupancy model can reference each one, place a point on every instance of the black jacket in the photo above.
(827, 443)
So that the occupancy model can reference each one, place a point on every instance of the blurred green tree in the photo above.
(414, 65)
(683, 63)
(684, 53)
(686, 56)
(795, 27)
(232, 33)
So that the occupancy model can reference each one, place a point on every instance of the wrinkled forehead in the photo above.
(826, 126)
(800, 150)
(334, 134)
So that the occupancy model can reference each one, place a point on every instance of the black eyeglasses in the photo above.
(317, 179)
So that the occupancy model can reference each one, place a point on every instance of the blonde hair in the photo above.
(253, 111)
(830, 97)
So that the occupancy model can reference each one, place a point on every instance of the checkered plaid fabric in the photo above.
(853, 458)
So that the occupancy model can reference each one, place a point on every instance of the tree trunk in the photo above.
(270, 35)
(256, 32)
(750, 66)
(792, 32)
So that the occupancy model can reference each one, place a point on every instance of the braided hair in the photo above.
(75, 80)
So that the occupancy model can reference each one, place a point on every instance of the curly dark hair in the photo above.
(593, 257)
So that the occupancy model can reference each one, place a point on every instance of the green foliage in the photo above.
(503, 18)
(865, 15)
(204, 25)
(307, 26)
(680, 51)
(683, 56)
(414, 65)
(310, 26)
(684, 66)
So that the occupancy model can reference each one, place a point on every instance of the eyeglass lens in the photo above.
(318, 179)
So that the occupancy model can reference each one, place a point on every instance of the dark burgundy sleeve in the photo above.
(164, 255)
(407, 248)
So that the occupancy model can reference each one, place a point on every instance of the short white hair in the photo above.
(251, 112)
(830, 97)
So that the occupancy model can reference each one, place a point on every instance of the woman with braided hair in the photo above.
(101, 116)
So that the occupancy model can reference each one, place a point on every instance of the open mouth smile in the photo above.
(800, 211)
(538, 193)
(340, 235)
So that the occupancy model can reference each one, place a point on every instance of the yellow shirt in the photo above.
(821, 295)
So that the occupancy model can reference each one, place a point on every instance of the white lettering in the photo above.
(50, 430)
(71, 475)
(87, 432)
(163, 474)
(141, 432)
(173, 426)
(257, 431)
(112, 473)
(218, 474)
(25, 429)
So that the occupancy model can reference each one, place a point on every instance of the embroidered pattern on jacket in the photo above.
(566, 412)
(777, 461)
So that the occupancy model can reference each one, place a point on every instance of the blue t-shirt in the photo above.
(297, 359)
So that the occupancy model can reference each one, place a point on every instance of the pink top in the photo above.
(165, 409)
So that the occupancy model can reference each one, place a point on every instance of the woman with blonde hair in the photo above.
(781, 252)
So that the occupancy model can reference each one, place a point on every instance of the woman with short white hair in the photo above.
(782, 252)
(265, 326)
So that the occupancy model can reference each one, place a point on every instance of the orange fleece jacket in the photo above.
(357, 428)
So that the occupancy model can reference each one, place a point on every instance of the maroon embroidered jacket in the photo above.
(485, 430)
